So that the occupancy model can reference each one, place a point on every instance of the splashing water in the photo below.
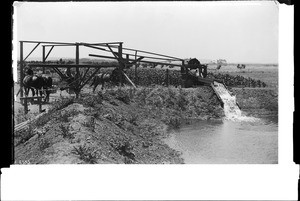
(231, 109)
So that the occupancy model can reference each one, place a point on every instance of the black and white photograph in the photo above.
(149, 83)
(146, 85)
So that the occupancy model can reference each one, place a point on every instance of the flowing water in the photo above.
(231, 109)
(236, 139)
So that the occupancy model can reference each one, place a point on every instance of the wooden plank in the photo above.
(216, 92)
(47, 42)
(73, 65)
(24, 124)
(128, 79)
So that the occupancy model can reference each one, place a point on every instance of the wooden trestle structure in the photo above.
(126, 57)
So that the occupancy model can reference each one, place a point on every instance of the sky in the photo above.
(245, 32)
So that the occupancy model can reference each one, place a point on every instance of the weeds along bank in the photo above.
(115, 126)
(257, 102)
(120, 125)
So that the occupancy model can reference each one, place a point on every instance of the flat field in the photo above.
(265, 72)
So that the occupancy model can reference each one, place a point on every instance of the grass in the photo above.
(65, 131)
(44, 144)
(124, 148)
(85, 153)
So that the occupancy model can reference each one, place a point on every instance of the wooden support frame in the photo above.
(85, 73)
(89, 78)
(116, 48)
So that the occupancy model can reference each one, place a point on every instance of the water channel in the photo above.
(228, 142)
(236, 139)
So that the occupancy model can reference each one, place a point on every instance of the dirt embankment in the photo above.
(257, 101)
(122, 125)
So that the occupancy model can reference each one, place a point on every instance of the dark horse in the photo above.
(114, 77)
(37, 83)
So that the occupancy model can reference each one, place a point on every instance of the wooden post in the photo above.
(167, 77)
(25, 106)
(183, 74)
(135, 69)
(76, 90)
(44, 59)
(21, 78)
(121, 63)
(40, 104)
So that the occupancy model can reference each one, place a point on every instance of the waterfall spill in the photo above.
(231, 109)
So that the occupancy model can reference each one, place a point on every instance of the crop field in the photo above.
(266, 73)
(253, 76)
(148, 77)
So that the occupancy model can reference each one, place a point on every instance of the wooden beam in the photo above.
(49, 52)
(21, 70)
(153, 53)
(98, 48)
(164, 59)
(128, 79)
(144, 61)
(136, 60)
(85, 73)
(32, 51)
(93, 74)
(43, 56)
(47, 42)
(114, 53)
(77, 60)
(59, 73)
(72, 65)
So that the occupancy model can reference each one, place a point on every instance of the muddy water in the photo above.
(228, 142)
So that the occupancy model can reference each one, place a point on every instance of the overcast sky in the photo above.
(235, 31)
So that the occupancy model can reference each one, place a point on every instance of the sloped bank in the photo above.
(115, 126)
(257, 101)
(120, 125)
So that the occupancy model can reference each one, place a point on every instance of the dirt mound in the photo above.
(123, 125)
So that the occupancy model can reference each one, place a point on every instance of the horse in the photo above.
(241, 66)
(37, 83)
(114, 77)
(100, 78)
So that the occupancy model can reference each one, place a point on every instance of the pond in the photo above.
(228, 142)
